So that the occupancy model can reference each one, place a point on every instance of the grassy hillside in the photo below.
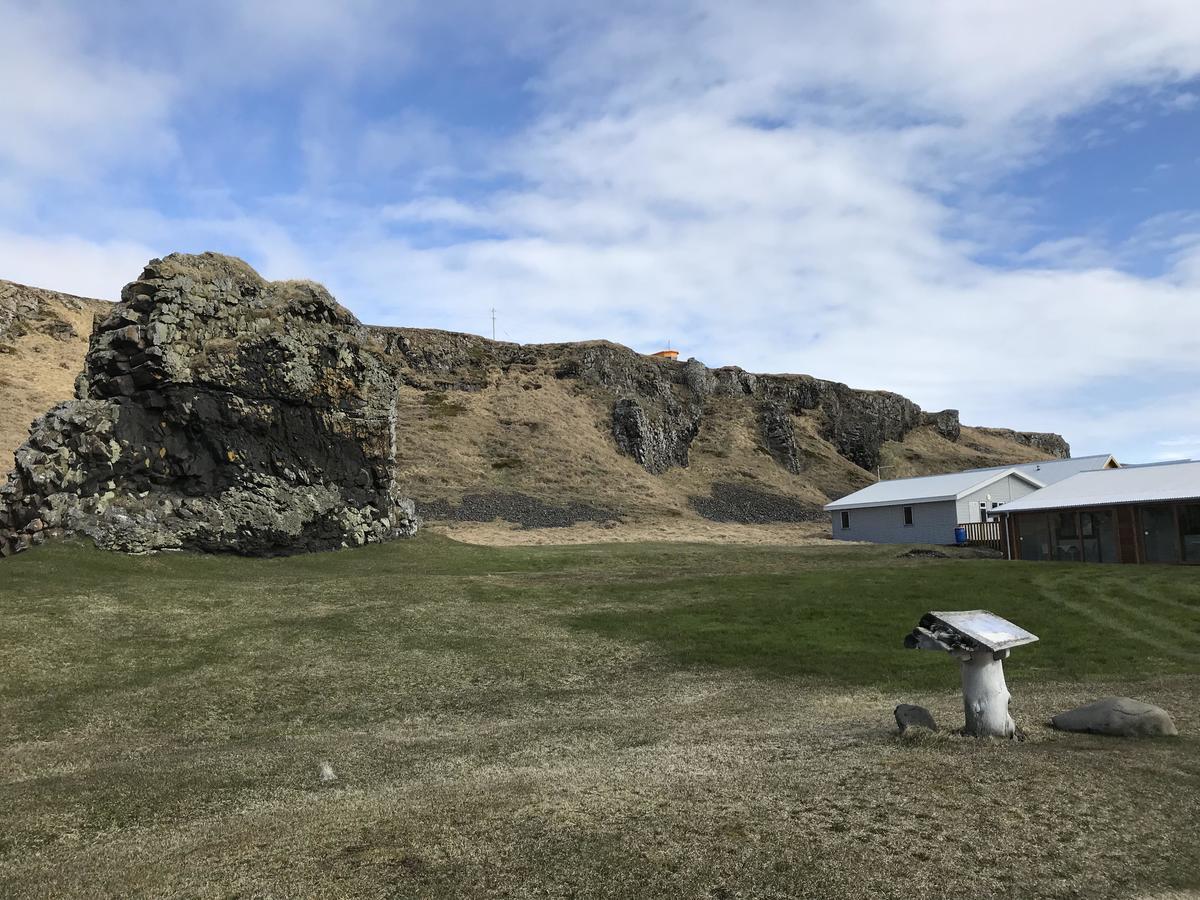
(525, 432)
(620, 720)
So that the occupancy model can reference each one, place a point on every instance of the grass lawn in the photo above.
(623, 720)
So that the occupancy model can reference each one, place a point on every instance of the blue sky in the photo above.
(986, 206)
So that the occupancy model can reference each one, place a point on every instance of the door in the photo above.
(1127, 534)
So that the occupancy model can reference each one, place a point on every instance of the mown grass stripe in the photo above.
(1145, 593)
(1177, 631)
(1112, 623)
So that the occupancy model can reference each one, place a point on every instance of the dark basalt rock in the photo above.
(1047, 442)
(779, 435)
(909, 715)
(219, 412)
(656, 440)
(520, 509)
(748, 505)
(946, 423)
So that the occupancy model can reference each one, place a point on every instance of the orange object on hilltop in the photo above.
(667, 354)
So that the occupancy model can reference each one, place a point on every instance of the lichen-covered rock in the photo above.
(220, 412)
(946, 423)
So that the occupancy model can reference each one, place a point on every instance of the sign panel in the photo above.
(986, 628)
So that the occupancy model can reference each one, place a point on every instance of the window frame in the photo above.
(908, 517)
(845, 520)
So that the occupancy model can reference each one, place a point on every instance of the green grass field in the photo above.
(617, 720)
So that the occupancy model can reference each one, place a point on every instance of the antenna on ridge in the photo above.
(493, 323)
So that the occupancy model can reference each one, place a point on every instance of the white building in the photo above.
(927, 510)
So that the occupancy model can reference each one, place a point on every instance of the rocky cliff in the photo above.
(659, 405)
(43, 339)
(218, 411)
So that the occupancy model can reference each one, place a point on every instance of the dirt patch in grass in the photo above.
(683, 528)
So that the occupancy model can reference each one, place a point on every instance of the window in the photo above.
(845, 520)
(908, 515)
(1065, 537)
(982, 511)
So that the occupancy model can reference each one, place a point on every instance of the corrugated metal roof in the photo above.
(1110, 487)
(1051, 471)
(927, 489)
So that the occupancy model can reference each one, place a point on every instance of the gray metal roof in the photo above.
(927, 489)
(1054, 470)
(1112, 487)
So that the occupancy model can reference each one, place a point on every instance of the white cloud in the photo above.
(71, 264)
(786, 187)
(70, 114)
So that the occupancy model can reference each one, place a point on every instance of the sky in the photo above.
(989, 207)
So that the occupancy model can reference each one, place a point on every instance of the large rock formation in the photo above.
(216, 412)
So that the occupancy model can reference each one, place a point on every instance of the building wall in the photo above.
(933, 523)
(1162, 532)
(1002, 491)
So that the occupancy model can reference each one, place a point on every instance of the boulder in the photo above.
(1119, 716)
(909, 715)
(221, 412)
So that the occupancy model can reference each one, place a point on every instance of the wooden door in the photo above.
(1127, 536)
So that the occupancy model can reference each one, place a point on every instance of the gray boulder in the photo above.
(1119, 716)
(909, 715)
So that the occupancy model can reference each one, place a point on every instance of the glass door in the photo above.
(1159, 535)
(1098, 535)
